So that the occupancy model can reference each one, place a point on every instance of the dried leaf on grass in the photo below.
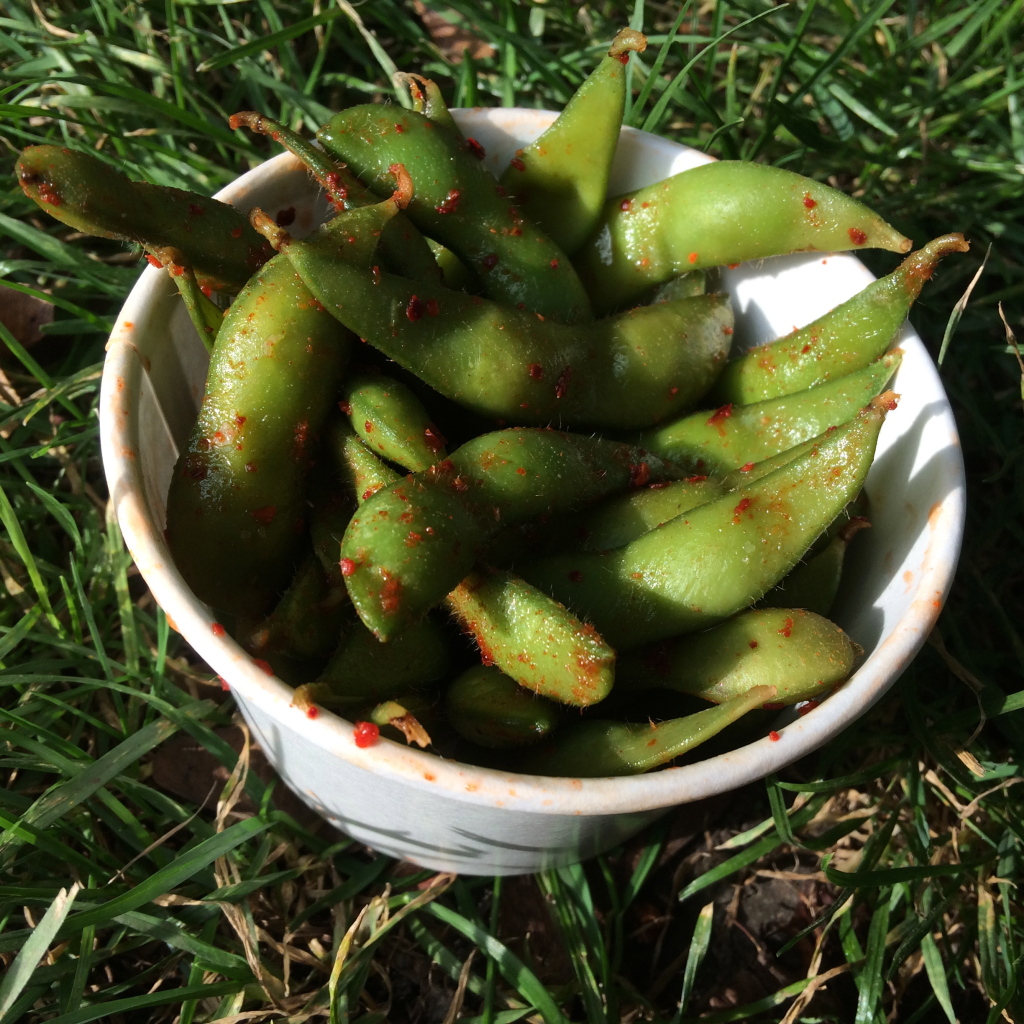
(452, 40)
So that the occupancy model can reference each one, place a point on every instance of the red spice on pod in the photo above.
(476, 149)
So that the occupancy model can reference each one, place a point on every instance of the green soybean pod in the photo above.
(625, 517)
(236, 505)
(845, 339)
(706, 565)
(599, 749)
(560, 180)
(362, 671)
(801, 654)
(488, 708)
(457, 202)
(402, 249)
(533, 639)
(715, 215)
(306, 621)
(412, 543)
(814, 583)
(392, 421)
(180, 227)
(733, 436)
(628, 371)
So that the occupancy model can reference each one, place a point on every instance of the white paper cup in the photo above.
(452, 816)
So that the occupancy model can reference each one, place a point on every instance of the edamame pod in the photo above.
(814, 582)
(734, 436)
(625, 517)
(712, 562)
(177, 226)
(236, 507)
(363, 671)
(533, 639)
(488, 708)
(844, 340)
(353, 473)
(391, 421)
(412, 543)
(596, 749)
(402, 248)
(457, 202)
(560, 180)
(718, 214)
(306, 621)
(800, 654)
(631, 370)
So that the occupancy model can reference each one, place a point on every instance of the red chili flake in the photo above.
(521, 471)
(265, 665)
(450, 203)
(622, 58)
(224, 684)
(741, 507)
(368, 427)
(639, 475)
(787, 629)
(673, 391)
(152, 260)
(575, 576)
(720, 414)
(692, 257)
(517, 164)
(250, 467)
(775, 705)
(809, 202)
(175, 270)
(391, 596)
(265, 515)
(489, 261)
(747, 467)
(312, 711)
(432, 307)
(413, 538)
(345, 407)
(805, 349)
(49, 194)
(536, 371)
(365, 734)
(217, 629)
(726, 330)
(807, 707)
(367, 494)
(285, 217)
(236, 232)
(476, 149)
(857, 236)
(645, 205)
(659, 486)
(554, 264)
(434, 439)
(562, 384)
(732, 266)
(753, 645)
(206, 290)
(195, 210)
(891, 404)
(696, 479)
(774, 736)
(399, 127)
(415, 309)
(625, 205)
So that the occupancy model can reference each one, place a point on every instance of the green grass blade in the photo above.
(699, 944)
(18, 975)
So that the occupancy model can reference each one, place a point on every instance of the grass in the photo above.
(876, 880)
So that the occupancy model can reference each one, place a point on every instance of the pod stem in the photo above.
(627, 39)
(331, 176)
(919, 266)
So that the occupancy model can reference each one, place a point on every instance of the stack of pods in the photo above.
(505, 410)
